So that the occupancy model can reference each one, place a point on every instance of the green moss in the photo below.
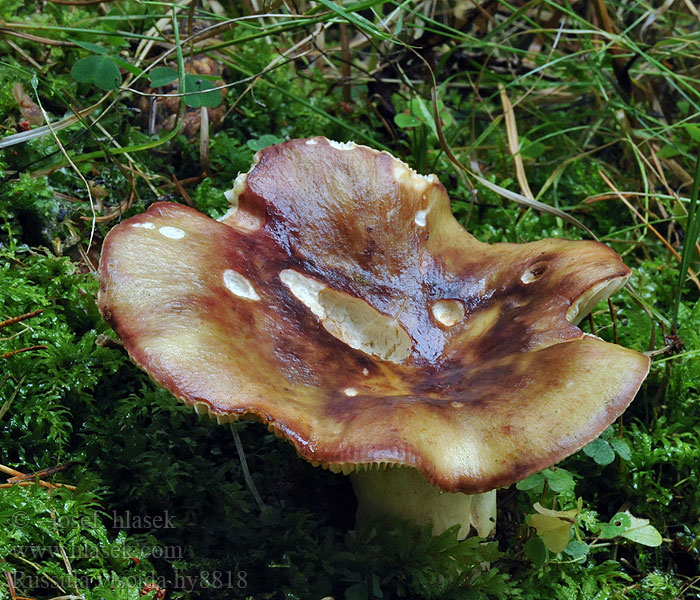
(31, 204)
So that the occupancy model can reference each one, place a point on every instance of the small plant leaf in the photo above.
(425, 113)
(600, 451)
(622, 448)
(554, 532)
(577, 550)
(97, 70)
(553, 526)
(205, 94)
(560, 480)
(641, 532)
(534, 482)
(160, 76)
(669, 151)
(535, 550)
(94, 48)
(646, 535)
(559, 514)
(530, 149)
(693, 131)
(406, 121)
(264, 141)
(126, 65)
(617, 525)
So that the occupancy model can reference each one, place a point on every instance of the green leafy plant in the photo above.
(200, 91)
(604, 449)
(98, 70)
(101, 68)
(263, 142)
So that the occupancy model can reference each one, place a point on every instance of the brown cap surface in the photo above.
(342, 304)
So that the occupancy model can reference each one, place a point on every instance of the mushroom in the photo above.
(340, 302)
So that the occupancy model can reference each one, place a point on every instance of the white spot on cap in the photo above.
(241, 220)
(420, 217)
(365, 371)
(342, 145)
(147, 225)
(174, 233)
(406, 175)
(239, 285)
(305, 289)
(448, 312)
(350, 391)
(231, 211)
(349, 319)
(533, 272)
(528, 277)
(232, 194)
(311, 142)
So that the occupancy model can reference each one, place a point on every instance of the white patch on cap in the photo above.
(231, 196)
(239, 285)
(230, 212)
(311, 142)
(242, 221)
(342, 145)
(405, 174)
(533, 272)
(147, 225)
(528, 277)
(305, 289)
(350, 392)
(174, 233)
(351, 320)
(365, 371)
(420, 217)
(239, 184)
(448, 312)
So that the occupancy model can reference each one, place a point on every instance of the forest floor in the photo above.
(542, 119)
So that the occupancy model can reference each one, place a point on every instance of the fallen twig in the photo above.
(23, 317)
(20, 350)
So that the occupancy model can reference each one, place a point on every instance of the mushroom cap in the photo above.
(340, 302)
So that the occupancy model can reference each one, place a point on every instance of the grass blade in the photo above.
(692, 231)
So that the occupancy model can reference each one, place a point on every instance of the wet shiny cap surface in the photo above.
(341, 303)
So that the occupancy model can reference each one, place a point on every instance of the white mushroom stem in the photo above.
(403, 493)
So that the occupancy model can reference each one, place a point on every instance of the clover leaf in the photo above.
(99, 70)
